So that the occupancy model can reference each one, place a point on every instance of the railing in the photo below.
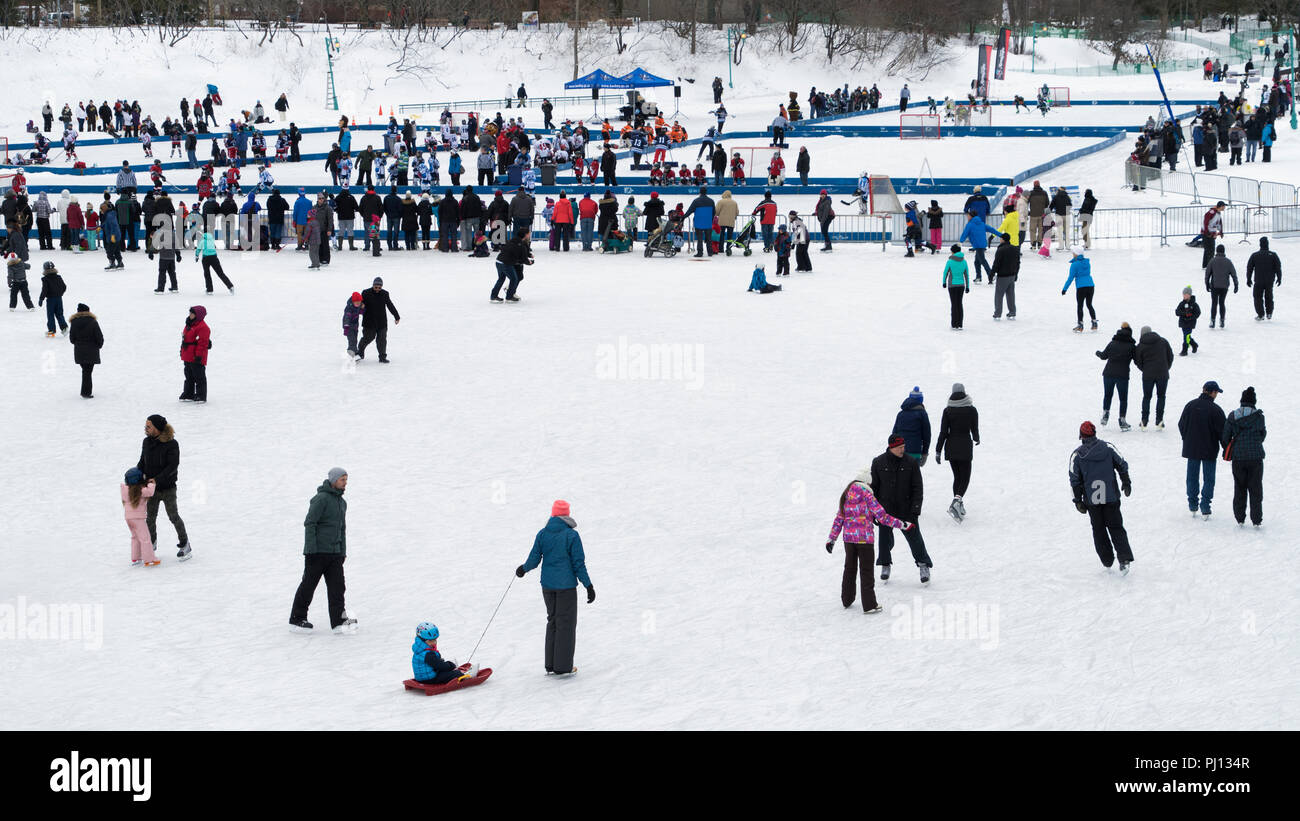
(1236, 190)
(494, 104)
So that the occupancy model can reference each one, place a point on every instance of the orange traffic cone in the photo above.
(381, 111)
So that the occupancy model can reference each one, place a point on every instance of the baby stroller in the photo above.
(743, 239)
(665, 239)
(616, 242)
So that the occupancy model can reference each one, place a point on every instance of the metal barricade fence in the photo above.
(1122, 224)
(1242, 190)
(1277, 193)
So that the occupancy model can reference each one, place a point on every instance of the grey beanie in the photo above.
(335, 473)
(1146, 329)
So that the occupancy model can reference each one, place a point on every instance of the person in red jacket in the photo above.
(196, 339)
(766, 212)
(587, 213)
(562, 217)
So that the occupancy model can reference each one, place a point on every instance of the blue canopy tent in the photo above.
(598, 79)
(640, 78)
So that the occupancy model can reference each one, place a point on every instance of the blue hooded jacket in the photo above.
(976, 233)
(425, 663)
(251, 205)
(455, 166)
(300, 208)
(558, 548)
(108, 227)
(759, 281)
(913, 424)
(1080, 274)
(702, 208)
(345, 143)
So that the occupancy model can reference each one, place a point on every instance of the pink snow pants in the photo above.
(141, 544)
(936, 237)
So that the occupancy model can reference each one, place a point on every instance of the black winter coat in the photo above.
(803, 163)
(1187, 312)
(959, 430)
(471, 207)
(345, 206)
(448, 210)
(86, 338)
(409, 215)
(374, 304)
(896, 484)
(424, 209)
(393, 207)
(160, 459)
(276, 207)
(1118, 354)
(1201, 426)
(1153, 356)
(499, 210)
(369, 206)
(653, 212)
(1006, 262)
(1061, 203)
(52, 287)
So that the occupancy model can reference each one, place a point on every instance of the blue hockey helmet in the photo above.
(426, 631)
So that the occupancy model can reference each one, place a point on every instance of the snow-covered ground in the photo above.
(703, 490)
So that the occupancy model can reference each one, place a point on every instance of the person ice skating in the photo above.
(1201, 427)
(913, 424)
(558, 548)
(1117, 354)
(1243, 444)
(1218, 274)
(1211, 227)
(799, 240)
(1081, 276)
(86, 339)
(934, 220)
(160, 459)
(1187, 312)
(325, 548)
(135, 491)
(857, 513)
(206, 251)
(896, 483)
(16, 277)
(758, 282)
(514, 255)
(1153, 357)
(352, 313)
(427, 664)
(977, 233)
(959, 430)
(52, 290)
(1003, 276)
(195, 342)
(1265, 268)
(1093, 468)
(782, 245)
(825, 215)
(374, 321)
(956, 278)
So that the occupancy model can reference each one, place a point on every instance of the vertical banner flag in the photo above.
(982, 76)
(1000, 59)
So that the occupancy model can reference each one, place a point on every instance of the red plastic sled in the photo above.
(435, 689)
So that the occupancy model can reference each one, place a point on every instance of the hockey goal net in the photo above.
(4, 150)
(1059, 95)
(919, 127)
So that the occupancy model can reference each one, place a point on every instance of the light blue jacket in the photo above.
(1080, 274)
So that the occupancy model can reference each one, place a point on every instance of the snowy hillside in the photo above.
(703, 487)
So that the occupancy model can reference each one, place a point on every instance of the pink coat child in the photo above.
(1049, 226)
(136, 514)
(857, 517)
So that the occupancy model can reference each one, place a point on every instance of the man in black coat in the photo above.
(86, 339)
(1093, 467)
(1003, 276)
(374, 322)
(498, 220)
(295, 137)
(369, 206)
(345, 208)
(1265, 268)
(608, 165)
(471, 214)
(1201, 426)
(896, 484)
(160, 460)
(230, 221)
(393, 214)
(276, 207)
(448, 219)
(1153, 356)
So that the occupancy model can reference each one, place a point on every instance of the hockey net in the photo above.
(882, 198)
(1059, 95)
(919, 127)
(5, 173)
(973, 115)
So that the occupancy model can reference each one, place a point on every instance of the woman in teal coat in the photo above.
(558, 549)
(956, 278)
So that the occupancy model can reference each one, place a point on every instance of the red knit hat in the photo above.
(654, 195)
(896, 441)
(1087, 429)
(560, 508)
(356, 297)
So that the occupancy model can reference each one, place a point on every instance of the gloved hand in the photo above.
(968, 288)
(830, 547)
(1062, 293)
(1125, 485)
(1234, 289)
(519, 571)
(591, 595)
(1078, 503)
(924, 458)
(908, 526)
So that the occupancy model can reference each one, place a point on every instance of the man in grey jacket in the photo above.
(521, 212)
(1217, 275)
(1093, 467)
(1038, 202)
(324, 550)
(126, 179)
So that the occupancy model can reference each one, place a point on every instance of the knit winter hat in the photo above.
(134, 476)
(1248, 396)
(560, 508)
(335, 473)
(1187, 291)
(356, 296)
(1146, 329)
(378, 281)
(958, 387)
(82, 307)
(896, 441)
(1086, 430)
(158, 421)
(916, 394)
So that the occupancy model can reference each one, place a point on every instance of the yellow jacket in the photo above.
(1011, 226)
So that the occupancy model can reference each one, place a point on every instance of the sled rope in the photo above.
(494, 615)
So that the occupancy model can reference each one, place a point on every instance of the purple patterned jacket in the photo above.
(860, 510)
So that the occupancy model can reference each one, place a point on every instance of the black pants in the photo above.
(783, 265)
(561, 628)
(826, 233)
(960, 475)
(379, 335)
(167, 498)
(1263, 298)
(506, 273)
(87, 389)
(565, 231)
(801, 259)
(324, 248)
(1108, 530)
(778, 137)
(167, 268)
(1218, 301)
(610, 179)
(914, 541)
(857, 570)
(1159, 386)
(1110, 384)
(15, 291)
(702, 244)
(1207, 251)
(44, 238)
(315, 565)
(1248, 481)
(196, 382)
(955, 295)
(210, 264)
(1082, 295)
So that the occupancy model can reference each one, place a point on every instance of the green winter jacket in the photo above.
(955, 273)
(1245, 425)
(326, 522)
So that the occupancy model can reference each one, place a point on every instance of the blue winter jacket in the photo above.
(1080, 274)
(702, 208)
(759, 281)
(241, 140)
(108, 227)
(913, 424)
(425, 663)
(345, 144)
(976, 233)
(455, 166)
(558, 548)
(300, 208)
(251, 205)
(1093, 466)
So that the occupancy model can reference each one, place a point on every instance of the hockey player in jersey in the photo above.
(281, 146)
(265, 182)
(1093, 468)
